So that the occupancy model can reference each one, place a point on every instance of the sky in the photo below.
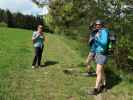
(23, 6)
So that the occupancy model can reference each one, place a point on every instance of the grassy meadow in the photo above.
(18, 81)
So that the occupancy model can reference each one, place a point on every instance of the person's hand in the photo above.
(41, 33)
(97, 34)
(37, 35)
(86, 62)
(33, 41)
(91, 39)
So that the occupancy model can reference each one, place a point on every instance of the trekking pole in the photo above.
(44, 56)
(45, 52)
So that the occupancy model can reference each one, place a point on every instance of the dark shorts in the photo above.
(101, 59)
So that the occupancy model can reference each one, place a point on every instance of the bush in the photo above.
(2, 24)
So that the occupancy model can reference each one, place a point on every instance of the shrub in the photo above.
(2, 24)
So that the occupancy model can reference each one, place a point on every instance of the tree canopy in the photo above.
(72, 18)
(19, 20)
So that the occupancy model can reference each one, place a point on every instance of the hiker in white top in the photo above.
(38, 42)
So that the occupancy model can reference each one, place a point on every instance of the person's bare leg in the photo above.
(99, 72)
(88, 61)
(103, 82)
(103, 78)
(97, 89)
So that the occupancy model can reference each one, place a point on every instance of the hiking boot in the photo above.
(89, 74)
(103, 88)
(33, 67)
(92, 73)
(39, 66)
(95, 91)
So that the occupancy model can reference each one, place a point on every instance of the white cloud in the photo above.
(24, 6)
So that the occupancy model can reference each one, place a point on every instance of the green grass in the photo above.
(3, 24)
(19, 82)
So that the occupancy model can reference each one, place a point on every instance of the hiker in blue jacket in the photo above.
(101, 45)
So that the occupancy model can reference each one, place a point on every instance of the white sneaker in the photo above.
(33, 67)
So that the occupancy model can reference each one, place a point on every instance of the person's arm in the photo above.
(102, 38)
(34, 37)
(92, 37)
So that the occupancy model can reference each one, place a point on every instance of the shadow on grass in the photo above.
(81, 65)
(112, 78)
(49, 63)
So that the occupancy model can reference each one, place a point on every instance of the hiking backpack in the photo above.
(111, 42)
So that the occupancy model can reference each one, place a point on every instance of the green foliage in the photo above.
(68, 16)
(19, 20)
(3, 24)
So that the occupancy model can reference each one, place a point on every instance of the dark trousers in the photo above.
(38, 56)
